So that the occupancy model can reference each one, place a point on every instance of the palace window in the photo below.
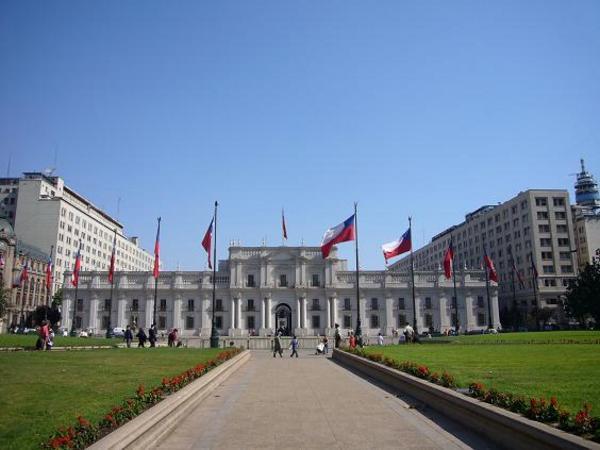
(374, 304)
(315, 305)
(189, 322)
(251, 306)
(480, 301)
(219, 322)
(374, 321)
(80, 304)
(135, 304)
(402, 320)
(283, 280)
(316, 321)
(107, 304)
(481, 319)
(218, 304)
(250, 280)
(428, 320)
(315, 280)
(250, 322)
(427, 302)
(401, 303)
(163, 304)
(162, 322)
(190, 305)
(347, 321)
(347, 305)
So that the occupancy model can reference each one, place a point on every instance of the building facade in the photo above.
(47, 214)
(23, 297)
(586, 218)
(536, 224)
(292, 289)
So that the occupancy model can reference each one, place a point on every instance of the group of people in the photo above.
(278, 348)
(151, 337)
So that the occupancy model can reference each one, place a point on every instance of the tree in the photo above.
(583, 294)
(57, 298)
(51, 313)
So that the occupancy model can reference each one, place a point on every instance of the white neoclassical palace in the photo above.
(292, 289)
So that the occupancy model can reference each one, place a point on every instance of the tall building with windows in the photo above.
(260, 290)
(47, 214)
(535, 225)
(586, 218)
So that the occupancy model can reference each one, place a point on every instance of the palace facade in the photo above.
(293, 289)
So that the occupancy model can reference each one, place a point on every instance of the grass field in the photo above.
(541, 337)
(570, 372)
(41, 391)
(28, 341)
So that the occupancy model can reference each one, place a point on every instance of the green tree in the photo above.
(583, 294)
(57, 298)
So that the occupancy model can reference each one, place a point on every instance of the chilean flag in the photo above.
(156, 269)
(23, 276)
(77, 268)
(49, 272)
(340, 233)
(519, 277)
(448, 261)
(111, 270)
(489, 265)
(207, 241)
(395, 248)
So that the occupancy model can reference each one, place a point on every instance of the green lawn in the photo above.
(570, 372)
(28, 341)
(537, 337)
(41, 391)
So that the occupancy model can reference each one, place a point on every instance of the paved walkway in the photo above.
(310, 402)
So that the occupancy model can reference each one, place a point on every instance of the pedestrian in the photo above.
(176, 341)
(170, 339)
(128, 336)
(337, 336)
(50, 342)
(152, 335)
(142, 338)
(380, 339)
(44, 333)
(277, 348)
(294, 347)
(325, 344)
(352, 340)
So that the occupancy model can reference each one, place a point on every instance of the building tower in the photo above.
(586, 190)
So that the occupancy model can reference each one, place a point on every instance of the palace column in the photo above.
(232, 308)
(329, 301)
(261, 315)
(93, 318)
(334, 306)
(121, 311)
(149, 312)
(269, 313)
(239, 313)
(299, 312)
(304, 313)
(177, 313)
(389, 316)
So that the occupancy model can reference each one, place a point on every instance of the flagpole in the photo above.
(487, 285)
(76, 292)
(358, 331)
(412, 276)
(214, 333)
(456, 320)
(535, 294)
(49, 288)
(156, 280)
(514, 292)
(109, 332)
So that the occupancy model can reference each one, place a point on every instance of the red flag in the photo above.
(514, 268)
(23, 276)
(77, 268)
(448, 261)
(492, 274)
(156, 270)
(284, 229)
(111, 270)
(207, 241)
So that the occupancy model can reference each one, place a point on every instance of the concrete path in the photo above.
(310, 402)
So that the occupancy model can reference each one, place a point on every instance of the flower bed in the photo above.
(539, 409)
(83, 433)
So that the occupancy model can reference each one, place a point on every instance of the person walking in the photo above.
(337, 337)
(152, 335)
(325, 344)
(128, 336)
(277, 348)
(352, 340)
(294, 346)
(380, 339)
(44, 333)
(50, 342)
(142, 338)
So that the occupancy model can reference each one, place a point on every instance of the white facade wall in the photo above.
(314, 291)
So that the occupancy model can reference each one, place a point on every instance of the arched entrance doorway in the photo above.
(283, 319)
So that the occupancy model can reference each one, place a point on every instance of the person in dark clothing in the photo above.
(128, 336)
(338, 336)
(277, 346)
(142, 338)
(152, 335)
(294, 346)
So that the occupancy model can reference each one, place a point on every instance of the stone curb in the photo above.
(154, 424)
(508, 429)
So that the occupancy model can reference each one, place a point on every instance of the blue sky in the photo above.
(422, 108)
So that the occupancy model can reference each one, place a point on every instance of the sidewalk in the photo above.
(309, 402)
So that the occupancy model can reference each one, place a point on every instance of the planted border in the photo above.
(539, 409)
(83, 433)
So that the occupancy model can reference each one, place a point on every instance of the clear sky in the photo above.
(422, 108)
